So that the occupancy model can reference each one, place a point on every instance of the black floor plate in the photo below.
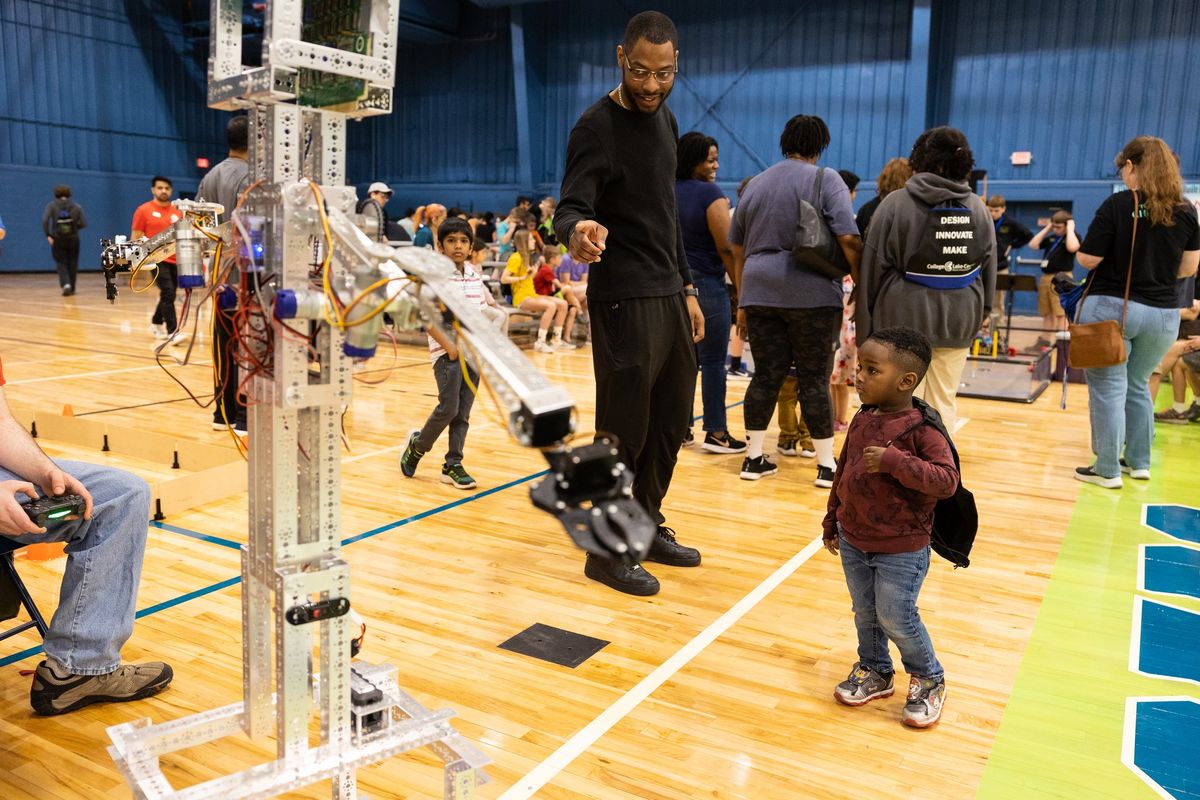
(554, 645)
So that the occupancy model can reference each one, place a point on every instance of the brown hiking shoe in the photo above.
(52, 694)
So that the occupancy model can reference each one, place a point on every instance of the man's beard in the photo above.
(630, 91)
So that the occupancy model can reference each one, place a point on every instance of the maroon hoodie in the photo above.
(890, 511)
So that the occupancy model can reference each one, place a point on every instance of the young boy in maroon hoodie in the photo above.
(893, 470)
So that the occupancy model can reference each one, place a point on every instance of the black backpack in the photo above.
(951, 253)
(955, 518)
(62, 223)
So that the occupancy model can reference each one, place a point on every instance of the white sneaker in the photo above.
(1136, 474)
(159, 330)
(542, 347)
(179, 339)
(808, 453)
(563, 344)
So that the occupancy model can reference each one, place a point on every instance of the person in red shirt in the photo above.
(151, 218)
(547, 284)
(893, 470)
(105, 544)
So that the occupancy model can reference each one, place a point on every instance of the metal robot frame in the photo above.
(304, 258)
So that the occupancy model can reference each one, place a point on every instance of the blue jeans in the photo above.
(884, 589)
(95, 610)
(710, 352)
(1119, 402)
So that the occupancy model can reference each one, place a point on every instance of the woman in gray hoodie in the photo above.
(929, 263)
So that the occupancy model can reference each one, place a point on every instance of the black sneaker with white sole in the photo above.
(722, 443)
(1136, 474)
(825, 477)
(755, 468)
(1088, 475)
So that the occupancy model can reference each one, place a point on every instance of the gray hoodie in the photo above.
(949, 317)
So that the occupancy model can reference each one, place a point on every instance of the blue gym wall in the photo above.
(101, 94)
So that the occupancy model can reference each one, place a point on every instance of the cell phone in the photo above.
(45, 511)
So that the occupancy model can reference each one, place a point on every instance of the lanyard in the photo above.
(1054, 247)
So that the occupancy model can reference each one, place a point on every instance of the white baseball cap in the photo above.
(379, 186)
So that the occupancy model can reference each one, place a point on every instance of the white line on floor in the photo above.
(961, 423)
(77, 375)
(571, 749)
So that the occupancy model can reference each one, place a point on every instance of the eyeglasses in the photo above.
(662, 76)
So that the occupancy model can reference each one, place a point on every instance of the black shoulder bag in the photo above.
(814, 247)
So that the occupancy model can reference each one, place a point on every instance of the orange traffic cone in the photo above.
(68, 411)
(44, 552)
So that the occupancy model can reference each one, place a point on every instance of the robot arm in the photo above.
(588, 490)
(187, 240)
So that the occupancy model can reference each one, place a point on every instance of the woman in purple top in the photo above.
(704, 218)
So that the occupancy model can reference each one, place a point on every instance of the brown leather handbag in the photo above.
(1102, 344)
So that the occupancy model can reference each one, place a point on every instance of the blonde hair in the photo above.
(893, 176)
(523, 244)
(1160, 186)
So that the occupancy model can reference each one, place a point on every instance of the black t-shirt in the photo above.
(863, 220)
(1156, 256)
(621, 172)
(1010, 235)
(1056, 257)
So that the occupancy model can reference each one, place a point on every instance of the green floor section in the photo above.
(1062, 731)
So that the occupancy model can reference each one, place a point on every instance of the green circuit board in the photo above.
(341, 24)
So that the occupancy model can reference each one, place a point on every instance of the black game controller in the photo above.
(46, 511)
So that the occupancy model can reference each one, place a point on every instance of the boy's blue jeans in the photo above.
(884, 589)
(1119, 401)
(95, 610)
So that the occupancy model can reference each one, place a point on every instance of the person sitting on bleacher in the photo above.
(105, 547)
(519, 272)
(546, 283)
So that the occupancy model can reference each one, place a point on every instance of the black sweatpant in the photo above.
(779, 338)
(65, 252)
(645, 365)
(167, 280)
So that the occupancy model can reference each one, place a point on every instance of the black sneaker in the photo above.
(411, 456)
(824, 477)
(1088, 475)
(722, 443)
(457, 477)
(755, 468)
(665, 550)
(689, 439)
(616, 575)
(54, 694)
(1193, 412)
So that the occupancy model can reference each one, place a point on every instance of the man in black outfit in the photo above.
(61, 222)
(618, 201)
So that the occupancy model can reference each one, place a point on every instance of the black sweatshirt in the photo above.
(621, 172)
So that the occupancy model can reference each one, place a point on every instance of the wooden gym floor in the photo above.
(718, 687)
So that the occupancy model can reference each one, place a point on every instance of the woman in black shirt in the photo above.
(1165, 249)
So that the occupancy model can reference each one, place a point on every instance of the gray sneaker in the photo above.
(863, 685)
(54, 694)
(924, 704)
